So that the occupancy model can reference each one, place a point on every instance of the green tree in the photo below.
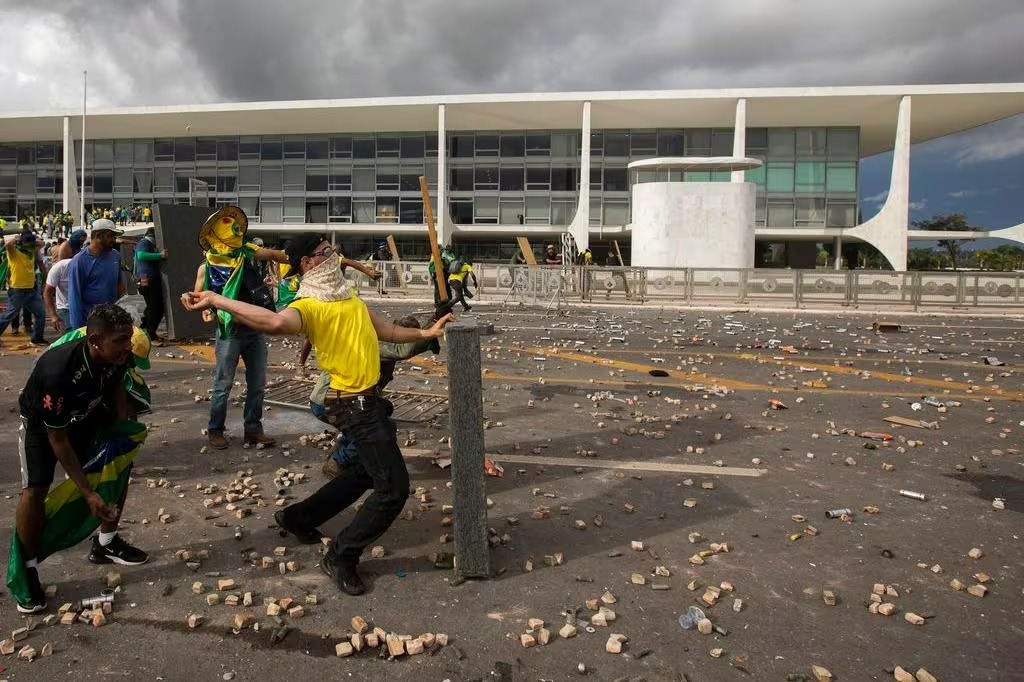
(954, 222)
(922, 259)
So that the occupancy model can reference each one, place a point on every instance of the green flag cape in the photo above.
(224, 275)
(68, 519)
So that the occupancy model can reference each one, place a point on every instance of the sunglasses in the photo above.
(326, 251)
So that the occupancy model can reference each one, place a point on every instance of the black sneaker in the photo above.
(36, 596)
(117, 552)
(307, 536)
(343, 575)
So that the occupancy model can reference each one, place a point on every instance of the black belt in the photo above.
(341, 395)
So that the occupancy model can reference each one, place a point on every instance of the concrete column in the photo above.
(441, 222)
(739, 138)
(887, 231)
(579, 228)
(69, 183)
(838, 248)
(466, 416)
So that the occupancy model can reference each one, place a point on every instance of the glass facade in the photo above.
(809, 177)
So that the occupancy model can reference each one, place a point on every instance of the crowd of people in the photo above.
(53, 225)
(81, 403)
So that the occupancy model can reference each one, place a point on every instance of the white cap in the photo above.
(104, 224)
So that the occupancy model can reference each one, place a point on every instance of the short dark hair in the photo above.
(409, 321)
(299, 247)
(107, 317)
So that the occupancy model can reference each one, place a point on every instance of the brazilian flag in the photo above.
(68, 519)
(225, 273)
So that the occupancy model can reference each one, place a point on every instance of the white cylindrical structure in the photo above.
(678, 224)
(693, 224)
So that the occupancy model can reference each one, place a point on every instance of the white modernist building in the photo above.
(534, 164)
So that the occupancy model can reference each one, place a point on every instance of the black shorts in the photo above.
(36, 456)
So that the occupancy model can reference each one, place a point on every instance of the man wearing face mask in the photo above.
(94, 275)
(345, 335)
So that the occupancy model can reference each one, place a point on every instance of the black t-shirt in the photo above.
(66, 386)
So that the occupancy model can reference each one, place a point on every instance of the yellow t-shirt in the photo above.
(460, 276)
(345, 341)
(23, 268)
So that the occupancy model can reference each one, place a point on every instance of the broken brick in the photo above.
(614, 643)
(913, 618)
(977, 590)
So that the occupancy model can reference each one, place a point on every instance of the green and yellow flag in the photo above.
(68, 519)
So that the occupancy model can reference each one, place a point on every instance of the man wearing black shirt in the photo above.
(72, 390)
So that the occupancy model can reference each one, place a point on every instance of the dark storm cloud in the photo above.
(183, 51)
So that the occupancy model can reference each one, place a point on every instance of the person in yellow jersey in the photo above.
(23, 258)
(345, 335)
(458, 271)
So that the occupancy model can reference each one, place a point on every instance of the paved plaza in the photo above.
(703, 484)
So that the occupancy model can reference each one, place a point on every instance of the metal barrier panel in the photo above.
(667, 285)
(992, 289)
(616, 284)
(940, 289)
(824, 286)
(717, 284)
(876, 287)
(778, 286)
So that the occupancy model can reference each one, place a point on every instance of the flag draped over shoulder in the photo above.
(68, 519)
(225, 273)
(134, 385)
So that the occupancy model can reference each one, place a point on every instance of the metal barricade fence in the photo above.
(993, 289)
(547, 284)
(882, 287)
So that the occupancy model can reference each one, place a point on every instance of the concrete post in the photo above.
(444, 231)
(739, 138)
(465, 400)
(579, 228)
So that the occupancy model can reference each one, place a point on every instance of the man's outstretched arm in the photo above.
(288, 321)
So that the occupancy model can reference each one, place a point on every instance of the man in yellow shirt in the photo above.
(345, 334)
(23, 258)
(457, 282)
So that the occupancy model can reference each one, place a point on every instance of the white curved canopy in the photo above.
(696, 163)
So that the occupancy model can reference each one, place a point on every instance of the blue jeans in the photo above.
(31, 301)
(345, 452)
(65, 316)
(251, 347)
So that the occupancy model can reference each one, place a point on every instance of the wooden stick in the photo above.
(618, 255)
(428, 214)
(396, 259)
(527, 251)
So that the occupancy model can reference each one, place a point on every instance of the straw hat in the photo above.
(224, 230)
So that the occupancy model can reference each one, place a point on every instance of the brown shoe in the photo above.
(260, 439)
(218, 441)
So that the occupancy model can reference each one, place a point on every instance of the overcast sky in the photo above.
(190, 51)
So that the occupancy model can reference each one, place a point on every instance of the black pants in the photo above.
(447, 289)
(458, 294)
(153, 295)
(380, 467)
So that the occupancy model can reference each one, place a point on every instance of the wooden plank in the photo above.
(526, 250)
(590, 463)
(915, 423)
(428, 215)
(618, 256)
(396, 259)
